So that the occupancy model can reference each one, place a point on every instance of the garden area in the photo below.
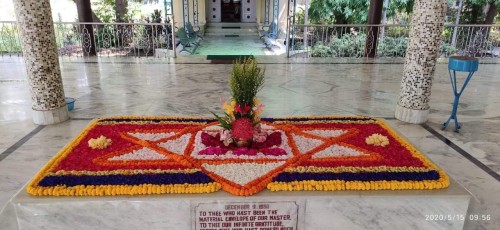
(327, 41)
(136, 28)
(337, 28)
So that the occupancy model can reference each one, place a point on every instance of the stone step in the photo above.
(232, 24)
(230, 30)
(229, 34)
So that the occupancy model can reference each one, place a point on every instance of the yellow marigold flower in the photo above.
(99, 143)
(229, 110)
(377, 140)
(256, 101)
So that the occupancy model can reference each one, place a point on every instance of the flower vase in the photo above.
(243, 132)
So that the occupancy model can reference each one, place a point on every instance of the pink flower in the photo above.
(244, 151)
(271, 140)
(258, 135)
(226, 137)
(260, 138)
(213, 151)
(273, 151)
(257, 128)
(210, 140)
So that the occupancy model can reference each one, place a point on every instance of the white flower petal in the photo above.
(242, 173)
(140, 154)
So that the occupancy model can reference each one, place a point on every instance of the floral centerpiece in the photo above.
(243, 109)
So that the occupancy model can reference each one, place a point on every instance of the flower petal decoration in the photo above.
(161, 155)
(99, 143)
(377, 140)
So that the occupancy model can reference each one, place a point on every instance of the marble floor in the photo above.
(139, 87)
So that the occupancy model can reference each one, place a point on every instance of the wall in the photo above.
(259, 5)
(201, 12)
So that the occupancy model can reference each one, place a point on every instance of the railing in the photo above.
(109, 39)
(157, 40)
(350, 40)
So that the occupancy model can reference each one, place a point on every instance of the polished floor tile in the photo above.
(141, 87)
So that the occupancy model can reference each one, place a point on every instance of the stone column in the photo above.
(421, 56)
(38, 43)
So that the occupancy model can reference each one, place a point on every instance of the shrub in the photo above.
(392, 47)
(446, 49)
(349, 45)
(320, 50)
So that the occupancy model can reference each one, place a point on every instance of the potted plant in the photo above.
(243, 109)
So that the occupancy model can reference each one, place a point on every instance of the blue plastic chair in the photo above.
(460, 64)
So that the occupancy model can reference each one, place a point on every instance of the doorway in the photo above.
(231, 10)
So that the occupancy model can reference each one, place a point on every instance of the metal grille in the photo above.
(185, 13)
(266, 12)
(195, 12)
(276, 15)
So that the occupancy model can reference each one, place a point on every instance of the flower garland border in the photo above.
(335, 185)
(309, 185)
(110, 190)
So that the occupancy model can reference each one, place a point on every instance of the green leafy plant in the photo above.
(349, 45)
(392, 47)
(246, 80)
(224, 121)
(320, 50)
(447, 49)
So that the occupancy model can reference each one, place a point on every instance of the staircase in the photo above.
(231, 29)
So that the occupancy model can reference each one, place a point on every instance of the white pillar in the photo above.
(421, 56)
(38, 42)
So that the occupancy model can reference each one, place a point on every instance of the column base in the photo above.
(51, 116)
(411, 115)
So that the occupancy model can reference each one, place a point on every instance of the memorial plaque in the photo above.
(272, 215)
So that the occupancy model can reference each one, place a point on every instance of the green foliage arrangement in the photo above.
(246, 80)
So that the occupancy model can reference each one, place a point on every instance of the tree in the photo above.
(351, 11)
(94, 16)
(121, 10)
(476, 12)
(113, 10)
(338, 11)
(85, 15)
(473, 11)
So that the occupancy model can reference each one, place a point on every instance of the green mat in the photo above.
(227, 57)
